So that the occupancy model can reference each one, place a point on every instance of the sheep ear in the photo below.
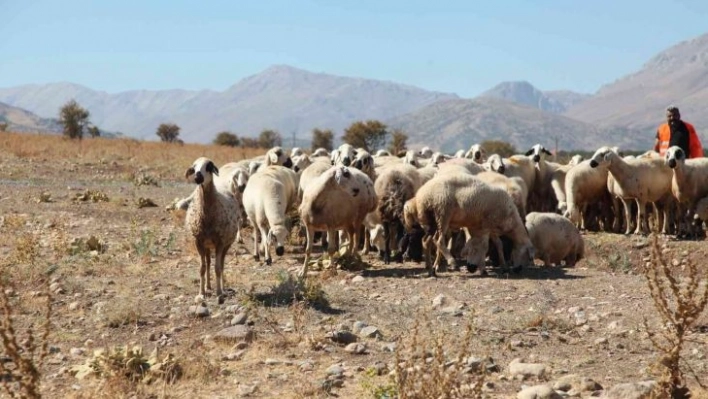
(529, 152)
(188, 173)
(211, 168)
(273, 157)
(545, 151)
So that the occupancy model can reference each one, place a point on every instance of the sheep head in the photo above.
(300, 162)
(496, 164)
(537, 151)
(425, 152)
(476, 153)
(602, 156)
(320, 152)
(278, 236)
(277, 156)
(674, 156)
(522, 255)
(296, 152)
(202, 171)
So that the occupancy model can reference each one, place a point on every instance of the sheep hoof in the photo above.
(221, 298)
(268, 261)
(398, 258)
(471, 268)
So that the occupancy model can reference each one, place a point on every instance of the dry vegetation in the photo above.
(119, 279)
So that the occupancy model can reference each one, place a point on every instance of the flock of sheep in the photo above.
(425, 204)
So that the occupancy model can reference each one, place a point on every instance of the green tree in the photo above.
(94, 131)
(398, 142)
(168, 132)
(369, 135)
(269, 138)
(227, 139)
(322, 139)
(502, 148)
(74, 119)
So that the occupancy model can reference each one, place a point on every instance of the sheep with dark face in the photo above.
(476, 153)
(213, 220)
(277, 156)
(343, 155)
(339, 199)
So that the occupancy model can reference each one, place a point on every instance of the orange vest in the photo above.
(694, 144)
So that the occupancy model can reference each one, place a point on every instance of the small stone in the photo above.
(389, 347)
(306, 366)
(601, 341)
(439, 301)
(335, 370)
(516, 343)
(574, 309)
(358, 279)
(371, 332)
(88, 343)
(356, 348)
(202, 311)
(525, 370)
(538, 392)
(77, 351)
(272, 362)
(613, 326)
(342, 337)
(234, 334)
(240, 318)
(496, 309)
(358, 326)
(161, 297)
(74, 306)
(637, 390)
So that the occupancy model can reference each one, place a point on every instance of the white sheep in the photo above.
(456, 163)
(690, 181)
(365, 163)
(212, 219)
(425, 152)
(320, 152)
(494, 163)
(523, 167)
(311, 173)
(277, 156)
(476, 153)
(644, 180)
(301, 162)
(343, 155)
(381, 153)
(267, 198)
(514, 186)
(576, 159)
(411, 158)
(555, 238)
(454, 201)
(460, 154)
(296, 152)
(339, 199)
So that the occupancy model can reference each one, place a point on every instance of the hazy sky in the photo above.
(462, 46)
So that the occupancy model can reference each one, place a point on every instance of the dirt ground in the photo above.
(137, 286)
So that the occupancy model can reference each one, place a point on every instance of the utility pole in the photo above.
(555, 153)
(294, 137)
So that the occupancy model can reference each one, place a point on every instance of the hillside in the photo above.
(678, 75)
(281, 97)
(20, 120)
(454, 124)
(525, 93)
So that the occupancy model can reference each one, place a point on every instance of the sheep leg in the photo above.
(641, 220)
(387, 242)
(256, 250)
(367, 242)
(627, 216)
(219, 256)
(308, 250)
(203, 270)
(442, 250)
(331, 242)
(207, 256)
(266, 237)
(427, 248)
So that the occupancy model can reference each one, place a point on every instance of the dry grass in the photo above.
(679, 300)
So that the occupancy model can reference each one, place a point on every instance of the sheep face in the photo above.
(278, 235)
(603, 156)
(240, 180)
(202, 171)
(363, 161)
(496, 164)
(344, 155)
(439, 158)
(426, 152)
(476, 153)
(296, 152)
(536, 151)
(411, 158)
(674, 155)
(300, 162)
(522, 255)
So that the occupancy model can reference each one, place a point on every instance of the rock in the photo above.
(233, 356)
(632, 390)
(335, 370)
(525, 370)
(452, 310)
(240, 318)
(74, 306)
(161, 297)
(576, 383)
(439, 301)
(77, 351)
(358, 326)
(601, 341)
(342, 337)
(234, 334)
(496, 309)
(358, 279)
(389, 347)
(371, 332)
(574, 309)
(202, 311)
(272, 362)
(516, 343)
(613, 326)
(356, 348)
(538, 392)
(306, 366)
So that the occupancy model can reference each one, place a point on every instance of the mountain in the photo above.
(678, 75)
(523, 92)
(455, 124)
(20, 120)
(283, 98)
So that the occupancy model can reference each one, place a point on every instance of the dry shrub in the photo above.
(20, 370)
(679, 302)
(426, 369)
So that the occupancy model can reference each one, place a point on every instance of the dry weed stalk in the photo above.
(21, 368)
(422, 372)
(679, 305)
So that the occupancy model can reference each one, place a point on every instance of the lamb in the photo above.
(689, 183)
(476, 153)
(212, 219)
(451, 201)
(643, 180)
(555, 239)
(267, 198)
(339, 199)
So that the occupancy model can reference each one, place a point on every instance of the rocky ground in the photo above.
(125, 275)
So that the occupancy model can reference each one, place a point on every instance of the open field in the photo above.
(136, 287)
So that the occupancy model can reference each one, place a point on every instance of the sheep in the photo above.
(277, 156)
(514, 186)
(554, 238)
(395, 184)
(253, 167)
(575, 159)
(643, 180)
(311, 173)
(268, 196)
(476, 153)
(365, 163)
(689, 183)
(343, 155)
(701, 214)
(425, 152)
(301, 162)
(213, 219)
(584, 186)
(320, 152)
(438, 157)
(382, 153)
(460, 154)
(296, 152)
(494, 164)
(523, 167)
(541, 200)
(339, 199)
(411, 158)
(462, 201)
(456, 163)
